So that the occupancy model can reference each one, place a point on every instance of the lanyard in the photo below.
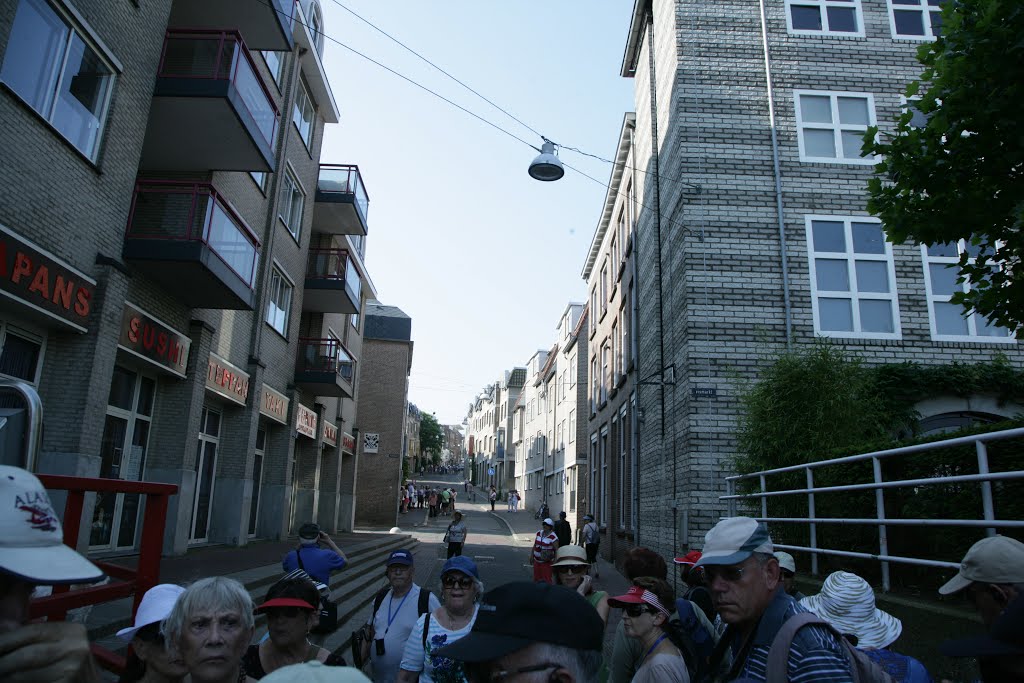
(392, 617)
(656, 644)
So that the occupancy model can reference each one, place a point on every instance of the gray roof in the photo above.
(387, 322)
(517, 378)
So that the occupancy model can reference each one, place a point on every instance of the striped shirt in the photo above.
(815, 655)
(544, 547)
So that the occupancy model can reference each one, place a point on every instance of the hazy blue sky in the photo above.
(481, 256)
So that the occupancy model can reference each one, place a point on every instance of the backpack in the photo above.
(862, 669)
(700, 642)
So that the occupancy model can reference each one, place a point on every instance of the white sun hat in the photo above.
(847, 602)
(155, 606)
(31, 539)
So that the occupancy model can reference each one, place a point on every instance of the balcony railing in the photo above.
(194, 212)
(341, 201)
(334, 264)
(325, 356)
(206, 55)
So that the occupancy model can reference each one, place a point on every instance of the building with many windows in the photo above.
(751, 234)
(183, 278)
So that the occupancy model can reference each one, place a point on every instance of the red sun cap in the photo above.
(689, 558)
(638, 595)
(285, 602)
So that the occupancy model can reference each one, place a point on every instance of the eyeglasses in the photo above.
(635, 610)
(477, 675)
(730, 573)
(451, 582)
(284, 612)
(572, 569)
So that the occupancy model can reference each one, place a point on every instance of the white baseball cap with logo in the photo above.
(31, 540)
(994, 559)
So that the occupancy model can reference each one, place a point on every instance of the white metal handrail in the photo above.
(984, 478)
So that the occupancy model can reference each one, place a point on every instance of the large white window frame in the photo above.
(940, 273)
(829, 13)
(622, 467)
(293, 203)
(279, 301)
(859, 260)
(304, 114)
(846, 132)
(275, 64)
(927, 12)
(57, 66)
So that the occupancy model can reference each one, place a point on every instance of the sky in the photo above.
(483, 258)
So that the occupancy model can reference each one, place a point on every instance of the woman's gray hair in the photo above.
(217, 594)
(583, 664)
(479, 585)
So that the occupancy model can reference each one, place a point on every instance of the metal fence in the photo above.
(986, 516)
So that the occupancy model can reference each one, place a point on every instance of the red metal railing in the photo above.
(334, 264)
(187, 211)
(207, 54)
(325, 355)
(344, 179)
(129, 582)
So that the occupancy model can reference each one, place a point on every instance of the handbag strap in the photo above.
(298, 557)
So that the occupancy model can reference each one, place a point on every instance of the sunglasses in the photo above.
(572, 569)
(730, 573)
(284, 612)
(636, 610)
(452, 581)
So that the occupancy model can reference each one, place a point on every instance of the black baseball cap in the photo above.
(518, 614)
(309, 530)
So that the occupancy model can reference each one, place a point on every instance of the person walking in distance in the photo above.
(545, 544)
(456, 534)
(563, 530)
(493, 496)
(591, 540)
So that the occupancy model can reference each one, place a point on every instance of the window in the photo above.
(316, 27)
(605, 455)
(57, 71)
(293, 201)
(261, 179)
(622, 467)
(595, 385)
(604, 287)
(275, 64)
(20, 354)
(605, 371)
(616, 363)
(624, 347)
(948, 320)
(915, 19)
(621, 228)
(279, 304)
(613, 251)
(632, 324)
(302, 114)
(572, 425)
(593, 310)
(825, 17)
(853, 281)
(572, 371)
(832, 125)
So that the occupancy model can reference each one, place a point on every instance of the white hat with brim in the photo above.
(570, 555)
(316, 672)
(733, 540)
(156, 605)
(848, 603)
(994, 559)
(786, 561)
(548, 521)
(31, 539)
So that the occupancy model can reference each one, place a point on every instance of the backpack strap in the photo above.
(424, 604)
(378, 599)
(778, 653)
(298, 557)
(426, 627)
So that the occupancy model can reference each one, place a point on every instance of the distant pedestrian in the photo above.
(542, 554)
(515, 500)
(465, 486)
(591, 541)
(446, 498)
(419, 498)
(563, 530)
(432, 502)
(456, 534)
(453, 495)
(511, 497)
(493, 496)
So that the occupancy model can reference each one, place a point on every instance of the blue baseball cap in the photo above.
(400, 557)
(460, 563)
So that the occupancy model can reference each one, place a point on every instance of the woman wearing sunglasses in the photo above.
(571, 570)
(149, 661)
(461, 590)
(646, 617)
(291, 615)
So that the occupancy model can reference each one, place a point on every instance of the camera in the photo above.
(379, 645)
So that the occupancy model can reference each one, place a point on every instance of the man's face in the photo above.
(989, 599)
(14, 598)
(400, 577)
(741, 592)
(787, 580)
(212, 643)
(522, 666)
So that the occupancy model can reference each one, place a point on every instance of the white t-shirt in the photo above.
(403, 614)
(434, 669)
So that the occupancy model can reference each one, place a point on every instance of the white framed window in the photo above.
(947, 320)
(303, 112)
(616, 363)
(605, 371)
(275, 64)
(593, 311)
(920, 19)
(59, 70)
(316, 27)
(623, 441)
(853, 280)
(825, 17)
(624, 346)
(831, 125)
(279, 303)
(293, 202)
(21, 353)
(572, 426)
(261, 179)
(572, 371)
(604, 287)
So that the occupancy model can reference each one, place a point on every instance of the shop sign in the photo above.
(225, 379)
(148, 338)
(305, 421)
(348, 443)
(274, 405)
(330, 434)
(34, 277)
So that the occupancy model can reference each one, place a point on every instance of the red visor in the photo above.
(689, 558)
(285, 602)
(638, 595)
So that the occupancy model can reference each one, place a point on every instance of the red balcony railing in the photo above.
(186, 211)
(334, 264)
(221, 56)
(325, 356)
(344, 179)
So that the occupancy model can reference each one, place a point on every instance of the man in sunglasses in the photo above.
(531, 628)
(746, 590)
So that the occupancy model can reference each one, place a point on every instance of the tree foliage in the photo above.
(961, 174)
(431, 435)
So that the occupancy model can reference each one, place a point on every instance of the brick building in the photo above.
(183, 278)
(750, 227)
(381, 413)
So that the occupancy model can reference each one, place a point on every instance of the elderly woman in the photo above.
(571, 570)
(209, 628)
(454, 619)
(291, 615)
(149, 661)
(646, 618)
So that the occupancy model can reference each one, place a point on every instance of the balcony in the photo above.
(341, 202)
(211, 110)
(190, 240)
(265, 24)
(333, 284)
(324, 367)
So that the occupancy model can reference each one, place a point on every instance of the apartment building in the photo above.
(183, 277)
(453, 450)
(412, 451)
(482, 432)
(563, 474)
(533, 432)
(751, 234)
(489, 424)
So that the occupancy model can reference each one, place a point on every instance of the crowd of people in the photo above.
(739, 617)
(440, 501)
